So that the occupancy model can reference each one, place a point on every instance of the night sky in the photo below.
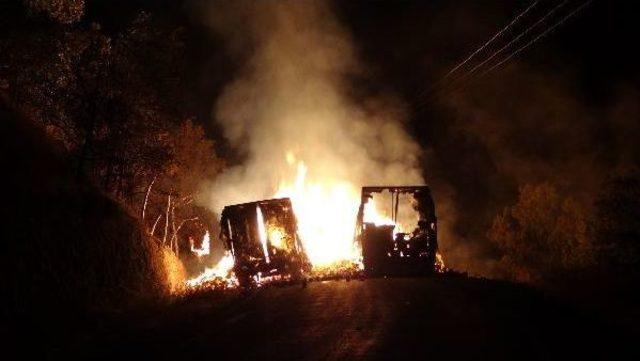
(411, 44)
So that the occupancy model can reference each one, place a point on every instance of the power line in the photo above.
(423, 102)
(433, 89)
(498, 34)
(534, 40)
(513, 41)
(515, 20)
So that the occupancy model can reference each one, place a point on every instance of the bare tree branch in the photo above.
(146, 197)
(153, 229)
(166, 221)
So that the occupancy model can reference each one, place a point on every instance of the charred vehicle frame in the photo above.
(386, 253)
(263, 238)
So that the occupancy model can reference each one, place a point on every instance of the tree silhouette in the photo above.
(542, 235)
(616, 221)
(113, 100)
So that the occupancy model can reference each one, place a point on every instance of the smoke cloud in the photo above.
(293, 100)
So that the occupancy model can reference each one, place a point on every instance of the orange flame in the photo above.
(205, 246)
(326, 214)
(223, 270)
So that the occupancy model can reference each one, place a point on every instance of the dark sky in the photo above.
(419, 40)
(410, 44)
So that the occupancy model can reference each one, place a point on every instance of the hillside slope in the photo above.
(66, 250)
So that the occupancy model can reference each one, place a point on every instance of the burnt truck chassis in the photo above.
(256, 258)
(405, 254)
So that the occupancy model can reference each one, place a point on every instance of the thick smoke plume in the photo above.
(292, 101)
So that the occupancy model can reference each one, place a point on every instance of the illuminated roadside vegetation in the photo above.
(129, 159)
(546, 236)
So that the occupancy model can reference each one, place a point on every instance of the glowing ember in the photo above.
(277, 237)
(205, 246)
(221, 272)
(440, 263)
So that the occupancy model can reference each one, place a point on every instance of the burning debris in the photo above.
(263, 245)
(262, 238)
(388, 247)
(204, 248)
(221, 276)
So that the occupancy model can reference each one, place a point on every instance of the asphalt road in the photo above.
(429, 318)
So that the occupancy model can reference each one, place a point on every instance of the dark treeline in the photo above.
(115, 102)
(104, 163)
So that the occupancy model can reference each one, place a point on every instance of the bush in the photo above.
(542, 235)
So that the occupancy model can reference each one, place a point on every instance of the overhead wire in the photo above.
(534, 40)
(513, 22)
(513, 41)
(494, 37)
(525, 32)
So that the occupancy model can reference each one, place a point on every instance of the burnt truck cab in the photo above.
(263, 238)
(389, 252)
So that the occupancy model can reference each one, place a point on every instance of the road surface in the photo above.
(422, 318)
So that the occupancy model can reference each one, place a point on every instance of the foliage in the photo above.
(542, 235)
(63, 11)
(175, 188)
(113, 100)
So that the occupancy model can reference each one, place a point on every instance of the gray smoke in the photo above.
(292, 101)
(292, 96)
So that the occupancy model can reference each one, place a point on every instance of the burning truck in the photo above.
(262, 238)
(387, 248)
(263, 244)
